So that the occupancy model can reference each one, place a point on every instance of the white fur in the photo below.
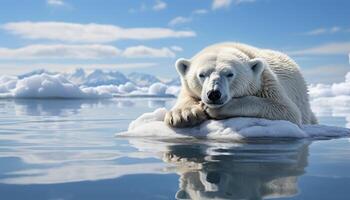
(265, 83)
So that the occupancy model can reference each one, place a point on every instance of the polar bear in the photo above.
(237, 80)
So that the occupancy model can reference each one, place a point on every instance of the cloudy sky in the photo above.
(149, 35)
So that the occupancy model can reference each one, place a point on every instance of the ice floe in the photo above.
(152, 125)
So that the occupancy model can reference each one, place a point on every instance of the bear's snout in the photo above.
(214, 95)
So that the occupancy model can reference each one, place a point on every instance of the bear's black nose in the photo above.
(213, 177)
(214, 95)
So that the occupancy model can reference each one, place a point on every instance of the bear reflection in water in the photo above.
(241, 171)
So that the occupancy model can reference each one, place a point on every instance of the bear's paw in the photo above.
(185, 117)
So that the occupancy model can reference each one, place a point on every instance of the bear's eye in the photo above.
(201, 75)
(230, 75)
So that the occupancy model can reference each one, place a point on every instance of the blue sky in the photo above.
(149, 35)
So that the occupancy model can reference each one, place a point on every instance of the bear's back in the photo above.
(284, 68)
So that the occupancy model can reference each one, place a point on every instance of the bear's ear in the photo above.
(257, 65)
(182, 66)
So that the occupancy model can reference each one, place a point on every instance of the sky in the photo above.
(149, 35)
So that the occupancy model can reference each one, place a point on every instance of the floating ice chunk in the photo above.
(58, 86)
(157, 89)
(46, 86)
(7, 83)
(127, 87)
(333, 90)
(152, 125)
(334, 97)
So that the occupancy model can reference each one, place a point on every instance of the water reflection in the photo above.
(125, 103)
(51, 107)
(66, 149)
(253, 170)
(56, 141)
(156, 103)
(59, 107)
(326, 113)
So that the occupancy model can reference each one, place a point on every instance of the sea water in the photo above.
(67, 149)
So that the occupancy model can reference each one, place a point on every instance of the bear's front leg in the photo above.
(230, 109)
(185, 117)
(252, 106)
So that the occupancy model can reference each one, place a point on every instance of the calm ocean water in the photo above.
(67, 149)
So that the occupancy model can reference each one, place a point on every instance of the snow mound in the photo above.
(152, 125)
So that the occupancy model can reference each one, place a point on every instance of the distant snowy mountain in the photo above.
(77, 77)
(99, 77)
(175, 81)
(142, 79)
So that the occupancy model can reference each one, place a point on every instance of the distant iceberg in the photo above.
(107, 84)
(331, 99)
(45, 86)
(79, 84)
(152, 125)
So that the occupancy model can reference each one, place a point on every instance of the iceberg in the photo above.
(98, 83)
(152, 125)
(45, 86)
(39, 84)
(331, 99)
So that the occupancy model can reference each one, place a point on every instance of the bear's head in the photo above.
(217, 75)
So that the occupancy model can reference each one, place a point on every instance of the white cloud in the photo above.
(64, 51)
(91, 33)
(159, 5)
(60, 51)
(243, 1)
(218, 4)
(55, 2)
(179, 20)
(141, 8)
(318, 31)
(335, 29)
(200, 11)
(321, 31)
(325, 74)
(14, 68)
(147, 52)
(176, 48)
(336, 48)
